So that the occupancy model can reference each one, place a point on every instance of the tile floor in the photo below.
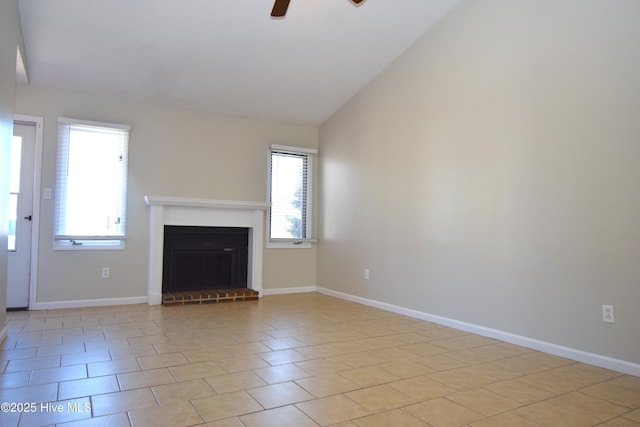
(289, 360)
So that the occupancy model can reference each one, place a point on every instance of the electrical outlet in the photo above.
(366, 274)
(105, 272)
(608, 315)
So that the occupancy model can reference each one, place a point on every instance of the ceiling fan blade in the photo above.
(280, 8)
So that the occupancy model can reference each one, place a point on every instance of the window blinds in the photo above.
(91, 182)
(290, 193)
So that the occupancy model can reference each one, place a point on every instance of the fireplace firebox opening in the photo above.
(199, 258)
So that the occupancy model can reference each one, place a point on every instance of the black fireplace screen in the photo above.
(199, 258)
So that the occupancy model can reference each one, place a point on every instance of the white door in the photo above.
(20, 214)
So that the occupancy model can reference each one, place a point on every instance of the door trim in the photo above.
(35, 224)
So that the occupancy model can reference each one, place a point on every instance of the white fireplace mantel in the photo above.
(203, 213)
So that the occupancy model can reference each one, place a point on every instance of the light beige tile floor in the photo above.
(289, 360)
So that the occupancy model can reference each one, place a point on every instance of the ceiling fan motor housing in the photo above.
(280, 7)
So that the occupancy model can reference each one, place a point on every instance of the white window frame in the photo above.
(308, 240)
(90, 242)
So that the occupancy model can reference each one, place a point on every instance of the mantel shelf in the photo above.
(204, 203)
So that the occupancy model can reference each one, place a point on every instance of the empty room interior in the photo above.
(313, 213)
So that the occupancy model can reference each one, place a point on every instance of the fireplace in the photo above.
(199, 258)
(203, 213)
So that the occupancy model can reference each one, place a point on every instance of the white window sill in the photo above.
(89, 246)
(290, 243)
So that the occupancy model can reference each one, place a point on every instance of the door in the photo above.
(20, 214)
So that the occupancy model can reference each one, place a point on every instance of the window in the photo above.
(14, 190)
(91, 185)
(290, 172)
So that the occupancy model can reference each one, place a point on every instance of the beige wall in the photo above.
(172, 152)
(491, 175)
(10, 37)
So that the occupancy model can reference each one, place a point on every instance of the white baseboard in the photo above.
(53, 305)
(618, 365)
(557, 350)
(282, 291)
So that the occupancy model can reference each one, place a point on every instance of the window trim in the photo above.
(89, 245)
(94, 242)
(292, 243)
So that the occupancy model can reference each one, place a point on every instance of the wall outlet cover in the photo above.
(608, 316)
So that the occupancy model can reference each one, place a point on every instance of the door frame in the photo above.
(38, 122)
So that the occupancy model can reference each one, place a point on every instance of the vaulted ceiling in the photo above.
(223, 56)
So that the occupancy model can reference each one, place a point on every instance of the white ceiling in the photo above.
(223, 56)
